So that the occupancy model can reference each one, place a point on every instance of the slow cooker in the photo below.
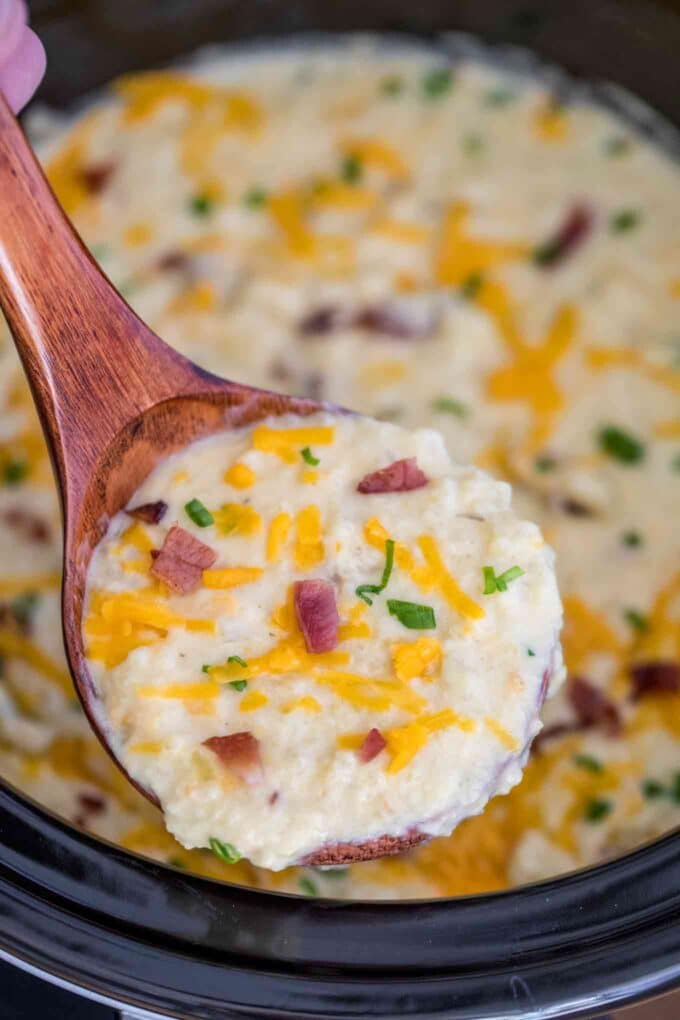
(153, 941)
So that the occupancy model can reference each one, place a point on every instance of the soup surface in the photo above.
(432, 245)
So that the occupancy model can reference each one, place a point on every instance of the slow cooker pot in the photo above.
(128, 931)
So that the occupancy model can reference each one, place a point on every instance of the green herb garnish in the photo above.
(472, 144)
(531, 653)
(587, 762)
(351, 169)
(597, 809)
(393, 85)
(544, 463)
(620, 445)
(238, 685)
(308, 887)
(499, 582)
(364, 590)
(201, 205)
(633, 539)
(177, 862)
(23, 607)
(449, 405)
(437, 82)
(199, 514)
(675, 788)
(255, 198)
(226, 852)
(623, 221)
(412, 615)
(652, 789)
(471, 286)
(636, 620)
(14, 472)
(498, 97)
(309, 457)
(616, 146)
(238, 660)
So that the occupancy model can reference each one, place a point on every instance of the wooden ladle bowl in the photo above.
(114, 400)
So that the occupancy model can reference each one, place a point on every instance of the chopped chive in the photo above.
(616, 146)
(531, 653)
(412, 615)
(393, 85)
(23, 607)
(308, 887)
(255, 198)
(633, 539)
(14, 472)
(494, 582)
(587, 762)
(226, 852)
(449, 405)
(364, 590)
(176, 862)
(201, 205)
(351, 169)
(472, 144)
(309, 457)
(652, 789)
(238, 660)
(498, 97)
(597, 809)
(206, 669)
(636, 620)
(238, 685)
(624, 220)
(471, 286)
(620, 445)
(675, 788)
(544, 463)
(199, 514)
(437, 82)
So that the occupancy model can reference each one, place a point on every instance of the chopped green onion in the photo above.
(636, 620)
(499, 582)
(308, 887)
(675, 788)
(412, 615)
(238, 660)
(652, 789)
(255, 198)
(393, 85)
(201, 205)
(309, 457)
(226, 852)
(597, 809)
(544, 463)
(375, 589)
(23, 607)
(206, 669)
(498, 97)
(620, 445)
(471, 286)
(437, 82)
(351, 170)
(199, 514)
(472, 144)
(449, 405)
(616, 146)
(531, 653)
(238, 685)
(623, 221)
(632, 539)
(14, 472)
(587, 762)
(176, 862)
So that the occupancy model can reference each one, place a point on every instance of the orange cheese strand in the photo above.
(240, 476)
(602, 358)
(370, 692)
(253, 700)
(501, 734)
(279, 529)
(309, 546)
(550, 122)
(459, 256)
(668, 429)
(17, 646)
(446, 583)
(200, 689)
(287, 443)
(586, 632)
(421, 658)
(237, 519)
(404, 742)
(378, 154)
(231, 577)
(306, 704)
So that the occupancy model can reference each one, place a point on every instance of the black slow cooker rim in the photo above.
(111, 922)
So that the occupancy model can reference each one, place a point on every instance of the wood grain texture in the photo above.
(113, 398)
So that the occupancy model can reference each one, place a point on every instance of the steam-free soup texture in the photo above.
(436, 246)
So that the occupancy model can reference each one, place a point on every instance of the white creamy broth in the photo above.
(373, 226)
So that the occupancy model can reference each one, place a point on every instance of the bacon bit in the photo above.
(373, 744)
(173, 261)
(401, 476)
(240, 752)
(324, 320)
(91, 803)
(402, 319)
(96, 176)
(573, 231)
(31, 527)
(150, 513)
(273, 797)
(592, 707)
(317, 614)
(181, 560)
(575, 508)
(656, 677)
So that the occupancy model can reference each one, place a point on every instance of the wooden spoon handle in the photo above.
(91, 362)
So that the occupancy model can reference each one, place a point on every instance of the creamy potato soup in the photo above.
(435, 246)
(334, 636)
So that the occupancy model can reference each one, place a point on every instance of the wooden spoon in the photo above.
(113, 399)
